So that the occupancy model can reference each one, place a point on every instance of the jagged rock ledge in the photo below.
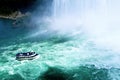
(12, 9)
(15, 15)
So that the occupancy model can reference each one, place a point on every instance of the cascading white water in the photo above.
(77, 7)
(64, 8)
(66, 16)
(98, 18)
(71, 14)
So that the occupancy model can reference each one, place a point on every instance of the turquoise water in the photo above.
(66, 56)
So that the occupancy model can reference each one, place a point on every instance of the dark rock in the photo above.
(9, 6)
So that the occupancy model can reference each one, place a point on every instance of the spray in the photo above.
(98, 19)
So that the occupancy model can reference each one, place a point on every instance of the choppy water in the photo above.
(66, 56)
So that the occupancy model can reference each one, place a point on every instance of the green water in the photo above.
(70, 56)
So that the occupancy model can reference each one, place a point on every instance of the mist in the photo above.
(99, 19)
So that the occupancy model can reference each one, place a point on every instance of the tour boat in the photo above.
(26, 56)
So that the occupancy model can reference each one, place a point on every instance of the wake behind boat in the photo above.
(26, 56)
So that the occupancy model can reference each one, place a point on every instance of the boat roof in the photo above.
(25, 54)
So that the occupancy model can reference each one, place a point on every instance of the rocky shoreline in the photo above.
(17, 18)
(19, 12)
(15, 15)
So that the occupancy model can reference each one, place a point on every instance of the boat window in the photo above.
(27, 53)
(21, 54)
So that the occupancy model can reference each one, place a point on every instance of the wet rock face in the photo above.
(9, 6)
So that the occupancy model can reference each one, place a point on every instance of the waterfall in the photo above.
(77, 7)
(63, 7)
(66, 14)
(98, 18)
(69, 13)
